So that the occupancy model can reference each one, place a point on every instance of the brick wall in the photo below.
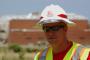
(26, 32)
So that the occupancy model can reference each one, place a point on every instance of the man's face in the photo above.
(55, 32)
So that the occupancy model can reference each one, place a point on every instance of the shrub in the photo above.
(15, 47)
(29, 50)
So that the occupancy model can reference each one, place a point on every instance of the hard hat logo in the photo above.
(49, 14)
(63, 16)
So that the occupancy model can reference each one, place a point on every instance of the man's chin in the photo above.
(51, 40)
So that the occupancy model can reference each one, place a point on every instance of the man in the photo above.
(55, 24)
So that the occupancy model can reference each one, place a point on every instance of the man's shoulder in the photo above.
(42, 52)
(82, 47)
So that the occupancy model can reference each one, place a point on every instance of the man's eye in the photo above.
(56, 27)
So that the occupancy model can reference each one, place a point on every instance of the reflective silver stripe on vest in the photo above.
(43, 55)
(76, 56)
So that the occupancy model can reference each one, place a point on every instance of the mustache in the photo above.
(51, 37)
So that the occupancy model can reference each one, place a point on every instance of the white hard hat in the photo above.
(54, 13)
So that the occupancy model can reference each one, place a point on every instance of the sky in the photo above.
(21, 7)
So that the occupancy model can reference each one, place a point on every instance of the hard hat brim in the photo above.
(54, 19)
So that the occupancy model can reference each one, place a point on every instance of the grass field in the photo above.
(7, 54)
(20, 52)
(16, 56)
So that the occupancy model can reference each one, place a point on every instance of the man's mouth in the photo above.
(51, 38)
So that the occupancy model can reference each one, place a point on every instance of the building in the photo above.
(25, 31)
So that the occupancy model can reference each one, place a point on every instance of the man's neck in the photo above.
(61, 47)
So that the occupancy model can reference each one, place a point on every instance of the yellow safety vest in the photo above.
(76, 52)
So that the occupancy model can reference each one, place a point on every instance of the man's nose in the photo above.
(51, 33)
